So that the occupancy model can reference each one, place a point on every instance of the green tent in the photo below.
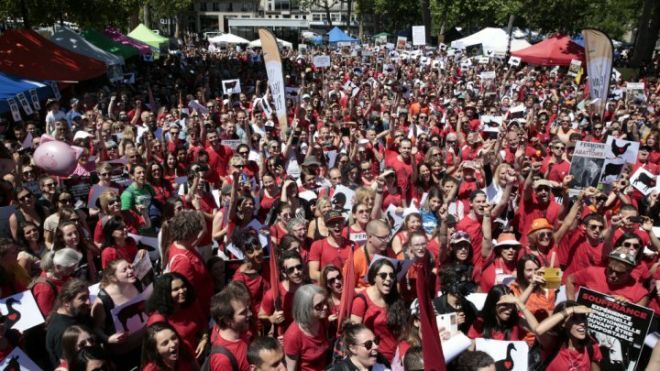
(144, 34)
(99, 39)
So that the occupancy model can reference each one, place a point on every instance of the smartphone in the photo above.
(636, 219)
(345, 132)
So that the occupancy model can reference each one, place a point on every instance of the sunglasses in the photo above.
(25, 198)
(370, 344)
(630, 244)
(112, 202)
(384, 275)
(510, 247)
(243, 152)
(320, 306)
(254, 249)
(104, 174)
(331, 281)
(544, 235)
(65, 200)
(595, 227)
(49, 185)
(298, 268)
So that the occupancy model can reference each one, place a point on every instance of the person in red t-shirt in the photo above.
(251, 272)
(571, 347)
(163, 351)
(556, 167)
(266, 354)
(502, 268)
(333, 249)
(615, 279)
(61, 266)
(117, 244)
(537, 202)
(403, 164)
(305, 341)
(219, 155)
(291, 266)
(230, 309)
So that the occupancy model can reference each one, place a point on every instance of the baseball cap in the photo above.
(545, 182)
(333, 216)
(458, 237)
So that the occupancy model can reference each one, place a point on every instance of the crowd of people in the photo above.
(387, 157)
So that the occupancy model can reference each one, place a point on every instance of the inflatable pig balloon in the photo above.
(55, 157)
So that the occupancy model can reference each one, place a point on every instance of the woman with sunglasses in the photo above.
(162, 187)
(280, 215)
(74, 338)
(380, 308)
(357, 231)
(333, 282)
(501, 268)
(270, 193)
(27, 210)
(117, 244)
(565, 342)
(541, 241)
(171, 168)
(293, 274)
(361, 347)
(250, 272)
(162, 350)
(317, 229)
(411, 223)
(64, 200)
(500, 317)
(111, 207)
(305, 341)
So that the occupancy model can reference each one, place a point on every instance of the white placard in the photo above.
(514, 61)
(574, 67)
(644, 181)
(302, 48)
(343, 199)
(455, 345)
(35, 99)
(55, 89)
(621, 149)
(401, 42)
(18, 360)
(508, 355)
(130, 316)
(22, 99)
(321, 61)
(231, 87)
(419, 35)
(447, 322)
(15, 112)
(487, 75)
(478, 299)
(484, 59)
(94, 292)
(21, 310)
(231, 143)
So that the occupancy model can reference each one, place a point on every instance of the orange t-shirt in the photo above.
(540, 303)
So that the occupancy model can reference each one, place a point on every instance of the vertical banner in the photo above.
(598, 50)
(55, 89)
(619, 328)
(273, 63)
(35, 99)
(15, 111)
(22, 99)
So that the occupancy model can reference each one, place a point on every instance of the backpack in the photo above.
(219, 349)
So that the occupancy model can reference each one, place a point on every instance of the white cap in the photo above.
(81, 134)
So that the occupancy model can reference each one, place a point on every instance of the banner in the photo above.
(401, 42)
(586, 165)
(619, 328)
(273, 63)
(21, 311)
(15, 111)
(35, 99)
(418, 35)
(508, 355)
(598, 51)
(231, 87)
(22, 99)
(321, 61)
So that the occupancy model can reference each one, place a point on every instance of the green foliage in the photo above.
(92, 13)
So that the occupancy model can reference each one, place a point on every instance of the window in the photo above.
(281, 4)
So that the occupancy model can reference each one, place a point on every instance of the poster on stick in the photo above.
(508, 355)
(231, 87)
(21, 311)
(130, 316)
(321, 61)
(574, 67)
(419, 35)
(619, 328)
(644, 181)
(586, 165)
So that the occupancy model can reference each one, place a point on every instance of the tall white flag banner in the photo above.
(273, 63)
(598, 51)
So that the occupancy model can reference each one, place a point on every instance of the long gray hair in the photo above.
(303, 304)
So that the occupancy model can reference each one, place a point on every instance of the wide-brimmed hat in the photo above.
(311, 161)
(507, 239)
(545, 182)
(624, 255)
(538, 224)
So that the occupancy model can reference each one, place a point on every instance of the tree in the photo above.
(325, 5)
(647, 33)
(171, 8)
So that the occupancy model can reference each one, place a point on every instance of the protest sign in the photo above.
(454, 346)
(231, 143)
(35, 99)
(474, 50)
(621, 149)
(645, 182)
(94, 292)
(231, 87)
(56, 90)
(342, 199)
(484, 60)
(514, 61)
(487, 75)
(95, 192)
(144, 270)
(401, 42)
(321, 61)
(21, 311)
(419, 35)
(586, 165)
(22, 99)
(15, 111)
(508, 355)
(130, 317)
(395, 219)
(150, 243)
(619, 328)
(302, 48)
(635, 92)
(18, 360)
(574, 67)
(400, 266)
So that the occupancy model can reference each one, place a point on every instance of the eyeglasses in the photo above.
(239, 166)
(561, 148)
(320, 306)
(25, 198)
(384, 275)
(628, 245)
(596, 227)
(49, 184)
(510, 247)
(243, 153)
(363, 211)
(66, 200)
(370, 344)
(331, 281)
(544, 235)
(113, 201)
(104, 174)
(382, 238)
(298, 268)
(254, 249)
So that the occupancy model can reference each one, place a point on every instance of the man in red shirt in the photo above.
(615, 279)
(219, 154)
(266, 354)
(556, 167)
(537, 202)
(403, 165)
(291, 266)
(333, 249)
(230, 310)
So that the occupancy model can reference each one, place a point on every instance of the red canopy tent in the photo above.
(25, 53)
(557, 50)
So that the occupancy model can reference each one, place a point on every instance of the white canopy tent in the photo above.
(228, 39)
(257, 44)
(493, 40)
(72, 41)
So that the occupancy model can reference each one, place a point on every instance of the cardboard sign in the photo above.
(231, 143)
(635, 92)
(619, 328)
(231, 87)
(487, 75)
(342, 199)
(321, 61)
(302, 48)
(624, 150)
(574, 67)
(484, 60)
(18, 360)
(144, 270)
(22, 99)
(15, 111)
(508, 355)
(21, 310)
(130, 316)
(419, 35)
(586, 165)
(401, 42)
(645, 182)
(474, 50)
(514, 61)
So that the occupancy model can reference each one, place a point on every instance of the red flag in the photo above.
(348, 293)
(434, 358)
(274, 276)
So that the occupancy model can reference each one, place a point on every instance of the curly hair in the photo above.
(161, 298)
(186, 225)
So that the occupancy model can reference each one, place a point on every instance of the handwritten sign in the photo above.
(419, 35)
(321, 61)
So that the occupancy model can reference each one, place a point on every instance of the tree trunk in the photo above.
(647, 34)
(426, 17)
(25, 14)
(348, 15)
(177, 25)
(327, 13)
(146, 13)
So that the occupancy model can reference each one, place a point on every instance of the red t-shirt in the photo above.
(473, 228)
(576, 253)
(238, 348)
(191, 265)
(477, 329)
(132, 220)
(309, 350)
(495, 273)
(111, 253)
(594, 278)
(218, 160)
(559, 171)
(44, 294)
(326, 254)
(531, 210)
(572, 359)
(257, 286)
(286, 298)
(375, 318)
(185, 321)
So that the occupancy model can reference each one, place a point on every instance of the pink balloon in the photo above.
(55, 157)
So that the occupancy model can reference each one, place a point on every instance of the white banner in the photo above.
(35, 99)
(419, 35)
(15, 111)
(231, 87)
(599, 54)
(273, 63)
(22, 99)
(321, 61)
